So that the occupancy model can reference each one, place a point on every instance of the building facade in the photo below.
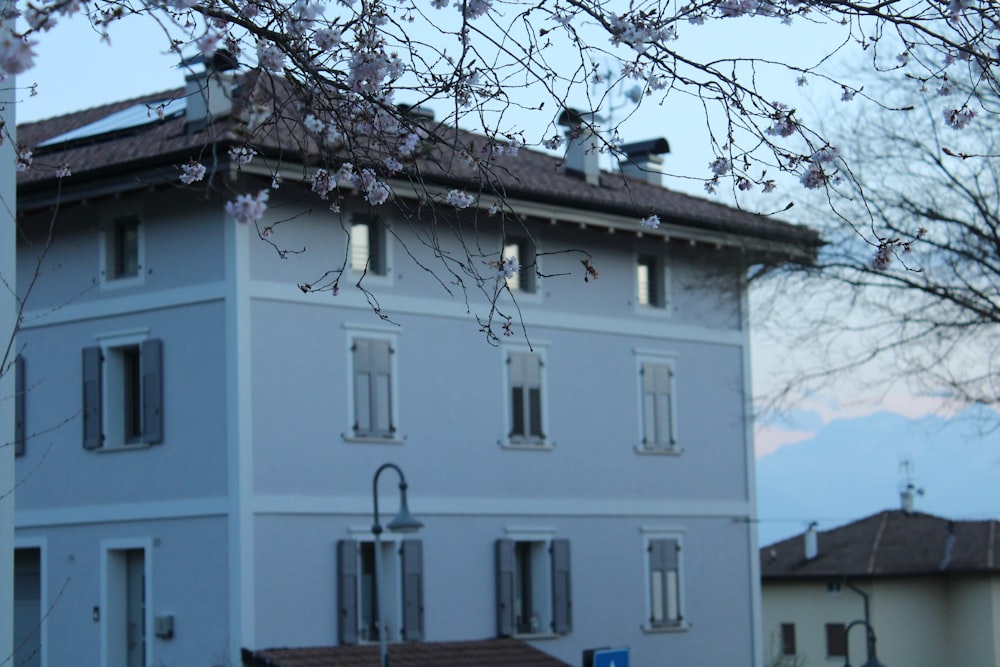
(928, 587)
(200, 435)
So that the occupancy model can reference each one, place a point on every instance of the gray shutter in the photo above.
(657, 411)
(515, 375)
(151, 369)
(92, 411)
(662, 376)
(19, 405)
(533, 388)
(562, 601)
(505, 587)
(381, 379)
(362, 387)
(347, 591)
(663, 559)
(648, 406)
(413, 590)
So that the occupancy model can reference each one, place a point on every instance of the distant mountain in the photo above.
(852, 468)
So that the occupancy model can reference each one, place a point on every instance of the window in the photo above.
(788, 639)
(125, 608)
(372, 370)
(368, 246)
(27, 607)
(658, 433)
(122, 246)
(402, 594)
(533, 587)
(651, 283)
(524, 373)
(836, 642)
(664, 580)
(524, 279)
(122, 394)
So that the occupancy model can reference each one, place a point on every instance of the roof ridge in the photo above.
(878, 541)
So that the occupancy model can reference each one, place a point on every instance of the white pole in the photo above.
(8, 318)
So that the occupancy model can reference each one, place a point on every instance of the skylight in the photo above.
(134, 116)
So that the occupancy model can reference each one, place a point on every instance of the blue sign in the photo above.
(611, 657)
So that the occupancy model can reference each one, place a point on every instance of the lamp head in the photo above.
(404, 522)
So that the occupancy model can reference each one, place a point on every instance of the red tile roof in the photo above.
(531, 175)
(890, 543)
(483, 653)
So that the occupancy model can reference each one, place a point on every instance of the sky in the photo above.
(845, 428)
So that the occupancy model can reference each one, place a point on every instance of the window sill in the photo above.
(529, 446)
(647, 451)
(665, 629)
(365, 440)
(123, 282)
(532, 636)
(650, 310)
(127, 447)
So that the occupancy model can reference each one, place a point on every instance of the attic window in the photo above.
(134, 117)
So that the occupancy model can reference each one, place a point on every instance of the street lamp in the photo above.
(403, 522)
(870, 644)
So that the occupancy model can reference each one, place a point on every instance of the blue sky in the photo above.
(830, 460)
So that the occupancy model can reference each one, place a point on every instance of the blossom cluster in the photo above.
(192, 172)
(508, 267)
(16, 54)
(460, 199)
(651, 221)
(957, 119)
(248, 208)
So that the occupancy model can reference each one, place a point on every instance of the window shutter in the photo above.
(525, 373)
(533, 385)
(515, 375)
(648, 406)
(362, 387)
(505, 587)
(657, 408)
(381, 379)
(92, 411)
(562, 601)
(347, 591)
(662, 377)
(376, 246)
(19, 405)
(413, 590)
(151, 368)
(664, 582)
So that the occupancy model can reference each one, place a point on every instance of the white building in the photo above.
(929, 588)
(199, 435)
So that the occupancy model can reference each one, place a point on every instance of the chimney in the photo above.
(209, 93)
(907, 498)
(643, 159)
(584, 145)
(812, 542)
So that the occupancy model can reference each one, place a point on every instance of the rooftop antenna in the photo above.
(907, 487)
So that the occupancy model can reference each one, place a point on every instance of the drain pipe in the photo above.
(869, 632)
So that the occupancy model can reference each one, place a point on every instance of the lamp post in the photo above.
(403, 522)
(872, 660)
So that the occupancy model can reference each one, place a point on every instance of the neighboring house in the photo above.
(200, 435)
(931, 587)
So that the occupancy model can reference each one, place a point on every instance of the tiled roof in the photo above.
(531, 175)
(890, 543)
(483, 653)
